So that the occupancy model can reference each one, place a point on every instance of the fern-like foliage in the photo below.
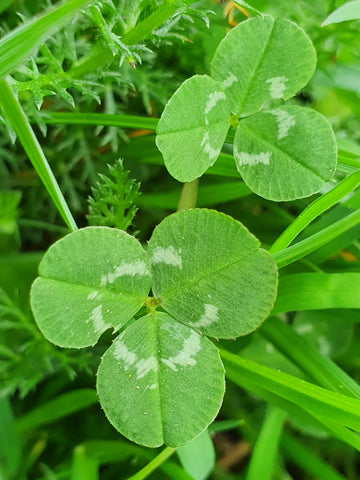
(113, 200)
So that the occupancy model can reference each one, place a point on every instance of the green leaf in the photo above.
(198, 456)
(160, 382)
(329, 331)
(315, 291)
(18, 45)
(60, 407)
(285, 153)
(305, 458)
(91, 280)
(325, 404)
(10, 446)
(263, 59)
(348, 11)
(265, 453)
(193, 127)
(209, 273)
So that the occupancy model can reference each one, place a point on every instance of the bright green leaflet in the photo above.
(262, 59)
(222, 288)
(91, 280)
(198, 456)
(193, 127)
(168, 379)
(285, 153)
(348, 11)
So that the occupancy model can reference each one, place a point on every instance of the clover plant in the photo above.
(281, 152)
(162, 380)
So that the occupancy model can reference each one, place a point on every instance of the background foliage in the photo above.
(83, 91)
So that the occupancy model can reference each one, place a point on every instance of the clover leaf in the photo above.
(282, 153)
(208, 276)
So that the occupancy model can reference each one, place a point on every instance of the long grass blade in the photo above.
(14, 113)
(19, 44)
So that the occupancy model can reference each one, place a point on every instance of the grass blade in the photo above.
(121, 121)
(266, 448)
(305, 458)
(302, 413)
(315, 291)
(316, 208)
(16, 116)
(328, 405)
(60, 407)
(322, 369)
(18, 45)
(310, 244)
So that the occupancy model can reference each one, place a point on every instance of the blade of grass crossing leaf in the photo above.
(19, 44)
(84, 467)
(297, 349)
(315, 209)
(299, 410)
(315, 291)
(265, 452)
(153, 465)
(326, 404)
(310, 244)
(60, 407)
(307, 460)
(198, 456)
(16, 116)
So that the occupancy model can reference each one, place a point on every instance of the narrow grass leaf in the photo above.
(17, 118)
(303, 457)
(301, 412)
(91, 280)
(10, 447)
(285, 153)
(328, 405)
(255, 64)
(211, 285)
(315, 209)
(160, 382)
(314, 242)
(19, 44)
(61, 407)
(83, 466)
(198, 456)
(348, 11)
(112, 120)
(315, 291)
(318, 367)
(264, 456)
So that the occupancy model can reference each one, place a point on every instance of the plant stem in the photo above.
(188, 195)
(154, 464)
(20, 123)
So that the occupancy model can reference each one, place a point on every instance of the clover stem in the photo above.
(155, 463)
(188, 195)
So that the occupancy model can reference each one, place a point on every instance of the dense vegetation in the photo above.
(179, 208)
